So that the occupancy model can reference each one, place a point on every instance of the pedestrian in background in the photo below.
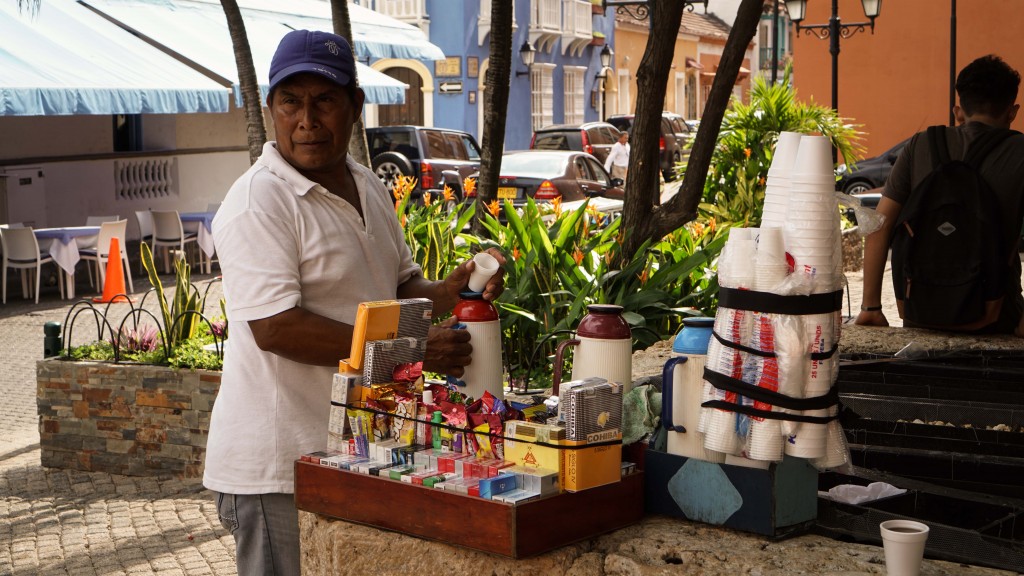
(617, 163)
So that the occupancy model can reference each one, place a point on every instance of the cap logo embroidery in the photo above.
(332, 47)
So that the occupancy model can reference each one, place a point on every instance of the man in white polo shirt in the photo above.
(303, 237)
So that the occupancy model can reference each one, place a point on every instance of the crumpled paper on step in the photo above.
(855, 494)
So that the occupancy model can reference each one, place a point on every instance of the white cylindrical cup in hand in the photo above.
(485, 267)
(904, 542)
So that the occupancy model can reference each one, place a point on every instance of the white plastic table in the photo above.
(64, 248)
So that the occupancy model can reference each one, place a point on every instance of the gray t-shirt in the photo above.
(1003, 170)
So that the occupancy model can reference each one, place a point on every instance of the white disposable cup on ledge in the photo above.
(904, 542)
(765, 440)
(486, 267)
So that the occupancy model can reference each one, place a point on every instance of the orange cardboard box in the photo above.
(590, 467)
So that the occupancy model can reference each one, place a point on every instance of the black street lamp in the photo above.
(527, 53)
(639, 9)
(602, 74)
(834, 30)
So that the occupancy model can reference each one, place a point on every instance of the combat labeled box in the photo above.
(516, 531)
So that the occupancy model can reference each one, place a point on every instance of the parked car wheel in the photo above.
(858, 187)
(389, 166)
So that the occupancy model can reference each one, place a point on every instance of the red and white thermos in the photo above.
(480, 319)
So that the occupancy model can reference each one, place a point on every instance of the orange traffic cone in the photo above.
(113, 284)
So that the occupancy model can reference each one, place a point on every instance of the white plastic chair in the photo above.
(21, 251)
(97, 220)
(145, 220)
(169, 235)
(98, 256)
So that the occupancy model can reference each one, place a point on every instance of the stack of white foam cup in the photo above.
(799, 236)
(776, 193)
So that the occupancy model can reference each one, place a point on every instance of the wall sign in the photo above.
(451, 66)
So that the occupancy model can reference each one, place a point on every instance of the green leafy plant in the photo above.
(182, 315)
(177, 340)
(734, 189)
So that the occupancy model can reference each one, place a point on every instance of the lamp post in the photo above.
(834, 31)
(602, 74)
(527, 53)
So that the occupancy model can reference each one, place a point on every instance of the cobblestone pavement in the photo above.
(82, 523)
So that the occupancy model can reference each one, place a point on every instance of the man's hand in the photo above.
(458, 280)
(871, 318)
(448, 350)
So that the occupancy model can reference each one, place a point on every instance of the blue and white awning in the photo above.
(64, 59)
(197, 31)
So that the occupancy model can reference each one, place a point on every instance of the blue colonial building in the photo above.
(561, 86)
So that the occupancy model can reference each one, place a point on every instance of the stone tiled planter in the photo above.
(126, 419)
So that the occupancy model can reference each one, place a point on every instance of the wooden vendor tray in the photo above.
(519, 531)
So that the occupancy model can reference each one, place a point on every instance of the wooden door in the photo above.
(412, 111)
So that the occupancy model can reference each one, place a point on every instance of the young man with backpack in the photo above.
(954, 208)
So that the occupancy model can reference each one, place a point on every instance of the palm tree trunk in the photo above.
(644, 218)
(498, 73)
(357, 147)
(255, 129)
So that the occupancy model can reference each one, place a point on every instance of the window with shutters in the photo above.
(541, 95)
(574, 94)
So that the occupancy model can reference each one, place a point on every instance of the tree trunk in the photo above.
(498, 73)
(357, 147)
(255, 130)
(644, 218)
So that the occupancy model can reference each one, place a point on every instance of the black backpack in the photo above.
(949, 261)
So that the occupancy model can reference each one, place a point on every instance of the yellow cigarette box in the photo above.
(521, 448)
(590, 467)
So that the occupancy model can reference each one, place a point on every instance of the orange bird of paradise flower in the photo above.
(448, 194)
(469, 185)
(494, 208)
(577, 255)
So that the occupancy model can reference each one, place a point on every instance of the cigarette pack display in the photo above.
(537, 480)
(512, 528)
(383, 356)
(389, 319)
(517, 496)
(315, 457)
(396, 472)
(341, 390)
(592, 410)
(491, 487)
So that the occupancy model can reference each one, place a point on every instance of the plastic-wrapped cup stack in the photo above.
(770, 265)
(734, 270)
(812, 225)
(776, 194)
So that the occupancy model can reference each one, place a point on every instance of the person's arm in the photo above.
(448, 351)
(610, 158)
(302, 336)
(876, 252)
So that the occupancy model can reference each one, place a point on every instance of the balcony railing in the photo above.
(484, 21)
(577, 25)
(545, 23)
(411, 11)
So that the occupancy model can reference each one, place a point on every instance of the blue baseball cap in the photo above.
(323, 53)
